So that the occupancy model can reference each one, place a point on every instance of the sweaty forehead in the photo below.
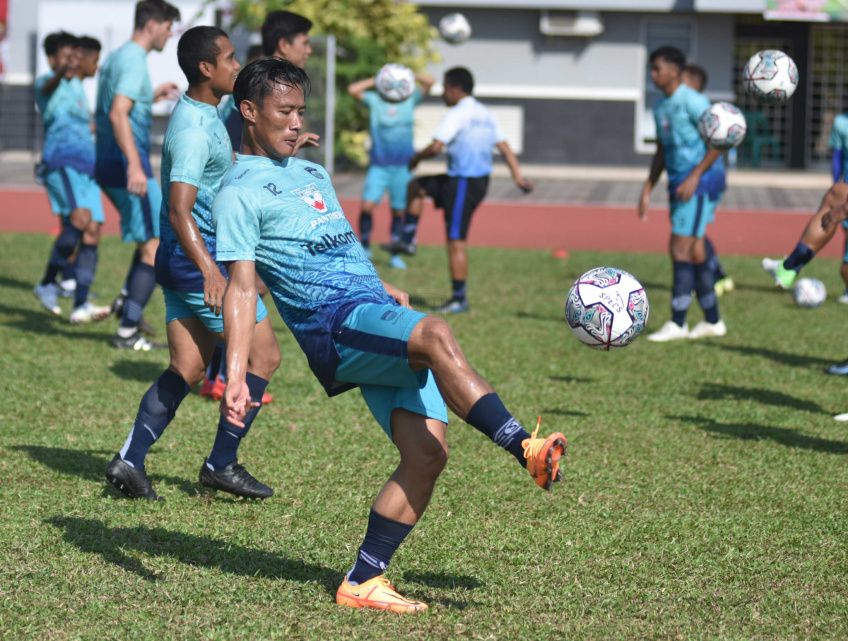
(286, 95)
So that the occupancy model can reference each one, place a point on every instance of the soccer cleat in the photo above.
(400, 247)
(543, 456)
(48, 297)
(842, 418)
(670, 331)
(454, 306)
(707, 330)
(396, 262)
(235, 480)
(838, 369)
(267, 398)
(783, 277)
(844, 298)
(130, 481)
(376, 593)
(88, 313)
(136, 342)
(67, 287)
(724, 286)
(213, 389)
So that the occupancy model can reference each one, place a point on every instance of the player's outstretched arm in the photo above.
(357, 89)
(687, 188)
(657, 167)
(433, 149)
(239, 324)
(426, 81)
(518, 178)
(167, 90)
(119, 117)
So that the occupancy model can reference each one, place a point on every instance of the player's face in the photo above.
(297, 51)
(664, 74)
(88, 63)
(691, 80)
(450, 95)
(226, 67)
(160, 32)
(68, 57)
(278, 121)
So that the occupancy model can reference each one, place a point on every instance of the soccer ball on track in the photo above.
(722, 126)
(770, 76)
(606, 308)
(455, 28)
(395, 82)
(809, 292)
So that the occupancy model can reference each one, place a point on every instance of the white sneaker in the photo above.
(770, 265)
(844, 298)
(671, 331)
(88, 313)
(842, 418)
(705, 330)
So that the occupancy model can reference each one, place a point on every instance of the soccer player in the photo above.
(467, 133)
(280, 216)
(696, 77)
(694, 187)
(391, 129)
(124, 101)
(195, 156)
(286, 35)
(68, 158)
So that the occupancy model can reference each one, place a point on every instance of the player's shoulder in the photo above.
(310, 170)
(841, 121)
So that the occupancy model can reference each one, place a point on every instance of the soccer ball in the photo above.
(770, 76)
(455, 28)
(606, 308)
(395, 82)
(809, 292)
(722, 126)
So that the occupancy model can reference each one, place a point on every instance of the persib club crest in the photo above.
(312, 196)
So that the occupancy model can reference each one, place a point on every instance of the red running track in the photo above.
(515, 224)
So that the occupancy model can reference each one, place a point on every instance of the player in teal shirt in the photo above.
(280, 216)
(391, 130)
(695, 187)
(195, 156)
(125, 99)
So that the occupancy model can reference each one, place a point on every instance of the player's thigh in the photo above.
(690, 218)
(190, 345)
(139, 214)
(86, 194)
(425, 401)
(462, 197)
(398, 184)
(375, 184)
(60, 192)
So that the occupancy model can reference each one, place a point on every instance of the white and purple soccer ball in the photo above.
(455, 28)
(395, 82)
(809, 292)
(770, 76)
(722, 126)
(607, 308)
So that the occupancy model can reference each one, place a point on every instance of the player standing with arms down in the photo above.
(124, 101)
(468, 133)
(280, 216)
(195, 156)
(694, 191)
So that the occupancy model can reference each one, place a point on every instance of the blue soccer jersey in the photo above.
(285, 217)
(68, 139)
(470, 132)
(196, 151)
(391, 128)
(839, 142)
(676, 118)
(124, 73)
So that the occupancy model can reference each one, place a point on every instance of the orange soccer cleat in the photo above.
(543, 455)
(376, 593)
(213, 389)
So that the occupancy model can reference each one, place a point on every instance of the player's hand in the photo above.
(413, 163)
(136, 180)
(214, 285)
(236, 403)
(399, 295)
(644, 202)
(306, 140)
(166, 91)
(524, 184)
(687, 188)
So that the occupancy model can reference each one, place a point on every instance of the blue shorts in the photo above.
(190, 305)
(394, 178)
(372, 346)
(691, 218)
(69, 189)
(139, 215)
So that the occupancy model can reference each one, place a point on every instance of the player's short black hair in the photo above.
(58, 39)
(282, 24)
(257, 80)
(156, 10)
(460, 77)
(197, 45)
(699, 72)
(672, 55)
(87, 43)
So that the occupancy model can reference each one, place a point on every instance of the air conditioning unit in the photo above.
(584, 24)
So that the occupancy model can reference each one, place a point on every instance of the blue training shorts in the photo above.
(139, 215)
(379, 179)
(190, 305)
(69, 189)
(372, 346)
(691, 218)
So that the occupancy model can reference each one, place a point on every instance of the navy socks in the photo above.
(157, 408)
(713, 261)
(229, 436)
(366, 222)
(396, 230)
(681, 291)
(86, 265)
(140, 286)
(705, 289)
(65, 244)
(382, 539)
(458, 290)
(799, 257)
(489, 416)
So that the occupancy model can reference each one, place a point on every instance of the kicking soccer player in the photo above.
(467, 133)
(195, 156)
(390, 125)
(68, 159)
(280, 216)
(696, 77)
(694, 187)
(124, 101)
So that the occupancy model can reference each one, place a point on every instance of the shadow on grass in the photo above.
(38, 322)
(111, 544)
(443, 581)
(550, 318)
(561, 412)
(16, 283)
(571, 379)
(716, 392)
(783, 358)
(141, 371)
(754, 432)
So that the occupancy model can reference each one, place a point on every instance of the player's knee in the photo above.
(81, 218)
(433, 457)
(91, 235)
(265, 361)
(191, 373)
(437, 337)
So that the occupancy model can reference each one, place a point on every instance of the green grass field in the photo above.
(704, 496)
